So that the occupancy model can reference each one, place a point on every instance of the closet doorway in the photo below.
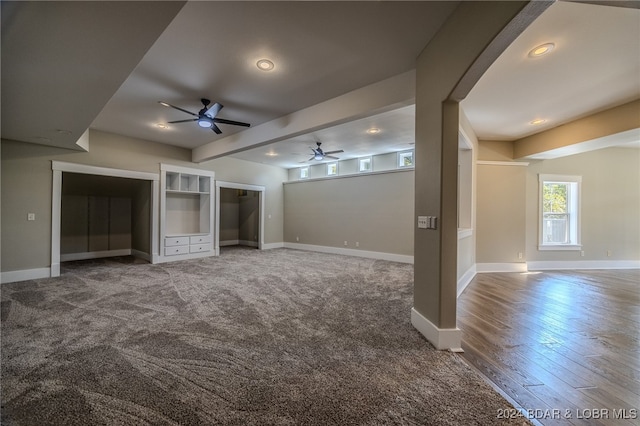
(101, 212)
(239, 215)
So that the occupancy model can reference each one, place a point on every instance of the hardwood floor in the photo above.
(564, 345)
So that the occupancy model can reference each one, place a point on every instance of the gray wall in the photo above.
(229, 215)
(375, 210)
(27, 181)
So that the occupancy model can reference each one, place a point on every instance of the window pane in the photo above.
(555, 197)
(332, 169)
(556, 228)
(304, 173)
(365, 164)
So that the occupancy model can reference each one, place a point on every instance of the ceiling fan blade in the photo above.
(333, 152)
(214, 110)
(216, 129)
(311, 158)
(331, 157)
(182, 121)
(235, 123)
(175, 107)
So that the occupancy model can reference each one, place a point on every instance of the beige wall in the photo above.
(500, 208)
(375, 210)
(610, 204)
(229, 215)
(507, 207)
(27, 181)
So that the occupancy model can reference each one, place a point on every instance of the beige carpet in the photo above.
(279, 337)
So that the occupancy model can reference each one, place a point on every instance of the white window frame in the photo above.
(361, 161)
(304, 172)
(574, 211)
(401, 157)
(335, 163)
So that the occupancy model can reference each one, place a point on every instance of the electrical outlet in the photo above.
(608, 253)
(345, 244)
(582, 253)
(357, 244)
(297, 238)
(520, 255)
(31, 216)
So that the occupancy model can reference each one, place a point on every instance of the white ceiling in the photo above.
(321, 50)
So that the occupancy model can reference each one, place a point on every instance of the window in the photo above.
(405, 159)
(364, 164)
(559, 212)
(332, 169)
(304, 172)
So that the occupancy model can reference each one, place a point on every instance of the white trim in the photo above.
(582, 264)
(502, 163)
(465, 279)
(101, 171)
(441, 338)
(560, 247)
(352, 175)
(500, 267)
(58, 167)
(352, 252)
(234, 185)
(238, 243)
(187, 256)
(94, 255)
(142, 255)
(464, 233)
(270, 246)
(24, 275)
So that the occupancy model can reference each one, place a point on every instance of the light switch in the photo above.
(422, 222)
(31, 216)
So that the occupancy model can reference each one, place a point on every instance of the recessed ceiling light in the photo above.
(541, 50)
(271, 154)
(373, 131)
(537, 121)
(265, 65)
(64, 132)
(162, 126)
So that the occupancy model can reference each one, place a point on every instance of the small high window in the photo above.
(364, 164)
(304, 173)
(405, 159)
(332, 169)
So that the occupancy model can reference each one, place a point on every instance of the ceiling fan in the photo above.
(206, 117)
(319, 154)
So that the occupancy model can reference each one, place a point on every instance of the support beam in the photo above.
(386, 95)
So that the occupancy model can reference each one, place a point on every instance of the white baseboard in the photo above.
(94, 255)
(352, 252)
(582, 264)
(501, 267)
(466, 278)
(248, 243)
(441, 338)
(24, 275)
(142, 255)
(269, 246)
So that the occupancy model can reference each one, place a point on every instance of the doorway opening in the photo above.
(239, 215)
(100, 212)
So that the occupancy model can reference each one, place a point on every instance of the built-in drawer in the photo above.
(176, 241)
(197, 248)
(200, 239)
(175, 250)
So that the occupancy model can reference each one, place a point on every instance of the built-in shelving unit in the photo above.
(186, 213)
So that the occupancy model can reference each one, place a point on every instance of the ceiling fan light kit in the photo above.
(319, 154)
(206, 117)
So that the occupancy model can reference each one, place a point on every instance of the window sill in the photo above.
(560, 247)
